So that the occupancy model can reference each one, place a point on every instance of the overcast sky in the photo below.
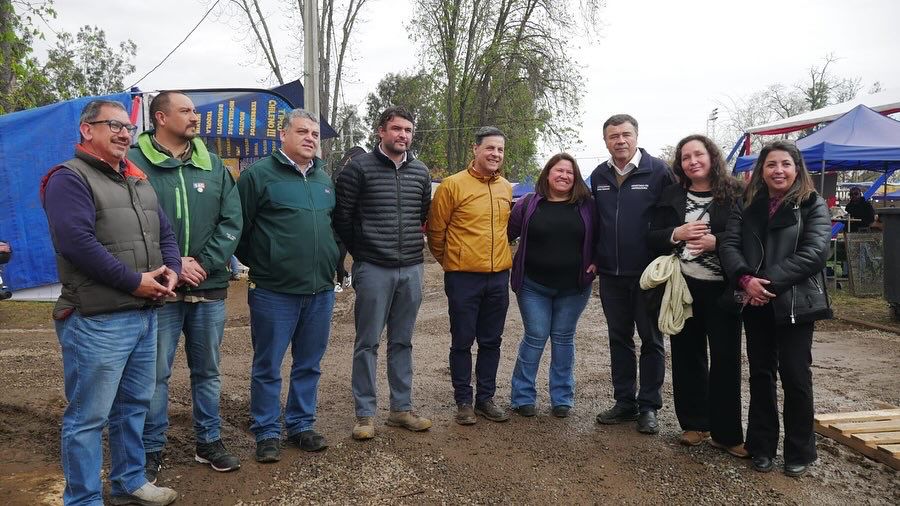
(668, 63)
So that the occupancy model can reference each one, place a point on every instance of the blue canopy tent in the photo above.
(861, 139)
(522, 189)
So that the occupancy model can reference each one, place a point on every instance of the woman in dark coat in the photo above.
(689, 219)
(775, 249)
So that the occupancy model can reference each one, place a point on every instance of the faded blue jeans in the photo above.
(108, 362)
(547, 313)
(203, 324)
(276, 321)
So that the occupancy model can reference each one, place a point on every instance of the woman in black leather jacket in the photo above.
(689, 219)
(776, 248)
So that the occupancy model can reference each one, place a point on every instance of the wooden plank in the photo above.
(858, 416)
(868, 451)
(892, 450)
(855, 428)
(878, 438)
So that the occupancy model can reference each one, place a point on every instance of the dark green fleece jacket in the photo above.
(288, 241)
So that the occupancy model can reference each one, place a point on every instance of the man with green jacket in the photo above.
(200, 198)
(288, 244)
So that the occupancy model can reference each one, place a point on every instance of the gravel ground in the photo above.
(537, 460)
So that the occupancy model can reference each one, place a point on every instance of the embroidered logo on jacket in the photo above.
(640, 187)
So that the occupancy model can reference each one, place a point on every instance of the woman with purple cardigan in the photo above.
(552, 274)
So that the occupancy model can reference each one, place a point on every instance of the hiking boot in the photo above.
(152, 466)
(465, 415)
(526, 410)
(490, 411)
(561, 411)
(693, 437)
(309, 441)
(216, 456)
(620, 413)
(735, 451)
(364, 428)
(408, 420)
(268, 450)
(148, 495)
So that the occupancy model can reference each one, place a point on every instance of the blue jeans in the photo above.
(109, 363)
(203, 324)
(553, 314)
(276, 321)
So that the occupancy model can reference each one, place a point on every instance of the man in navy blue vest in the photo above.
(625, 188)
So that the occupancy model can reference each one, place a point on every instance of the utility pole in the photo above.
(311, 59)
(711, 123)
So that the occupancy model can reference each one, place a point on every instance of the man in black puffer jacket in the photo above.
(382, 201)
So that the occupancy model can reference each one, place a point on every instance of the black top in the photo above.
(553, 252)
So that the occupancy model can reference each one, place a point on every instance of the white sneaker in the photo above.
(147, 495)
(338, 288)
(347, 281)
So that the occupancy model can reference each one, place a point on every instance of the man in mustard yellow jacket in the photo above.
(467, 235)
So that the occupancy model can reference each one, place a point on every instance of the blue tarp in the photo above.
(862, 139)
(522, 189)
(31, 142)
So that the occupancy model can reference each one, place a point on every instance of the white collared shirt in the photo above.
(630, 166)
(301, 170)
(396, 164)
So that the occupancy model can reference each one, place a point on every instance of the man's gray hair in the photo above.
(299, 114)
(92, 110)
(619, 119)
(488, 131)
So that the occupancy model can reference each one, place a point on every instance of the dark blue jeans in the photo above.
(276, 321)
(477, 306)
(203, 325)
(552, 314)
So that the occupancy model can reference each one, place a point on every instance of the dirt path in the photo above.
(538, 460)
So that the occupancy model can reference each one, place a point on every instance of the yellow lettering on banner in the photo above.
(208, 122)
(220, 117)
(270, 119)
(256, 150)
(253, 118)
(241, 122)
(227, 146)
(230, 117)
(246, 145)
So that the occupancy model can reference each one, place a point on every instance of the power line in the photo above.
(178, 46)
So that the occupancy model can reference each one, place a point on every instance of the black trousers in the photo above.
(786, 349)
(477, 305)
(625, 308)
(707, 387)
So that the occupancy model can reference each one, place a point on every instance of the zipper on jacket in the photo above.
(399, 221)
(315, 221)
(796, 243)
(177, 203)
(618, 194)
(491, 199)
(187, 214)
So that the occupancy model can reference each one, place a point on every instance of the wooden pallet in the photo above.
(875, 434)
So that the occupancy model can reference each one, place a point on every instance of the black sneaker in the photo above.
(216, 456)
(309, 441)
(619, 413)
(268, 450)
(152, 466)
(647, 423)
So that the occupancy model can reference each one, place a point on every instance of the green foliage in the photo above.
(77, 66)
(419, 94)
(86, 65)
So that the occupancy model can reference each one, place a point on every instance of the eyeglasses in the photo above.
(115, 126)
